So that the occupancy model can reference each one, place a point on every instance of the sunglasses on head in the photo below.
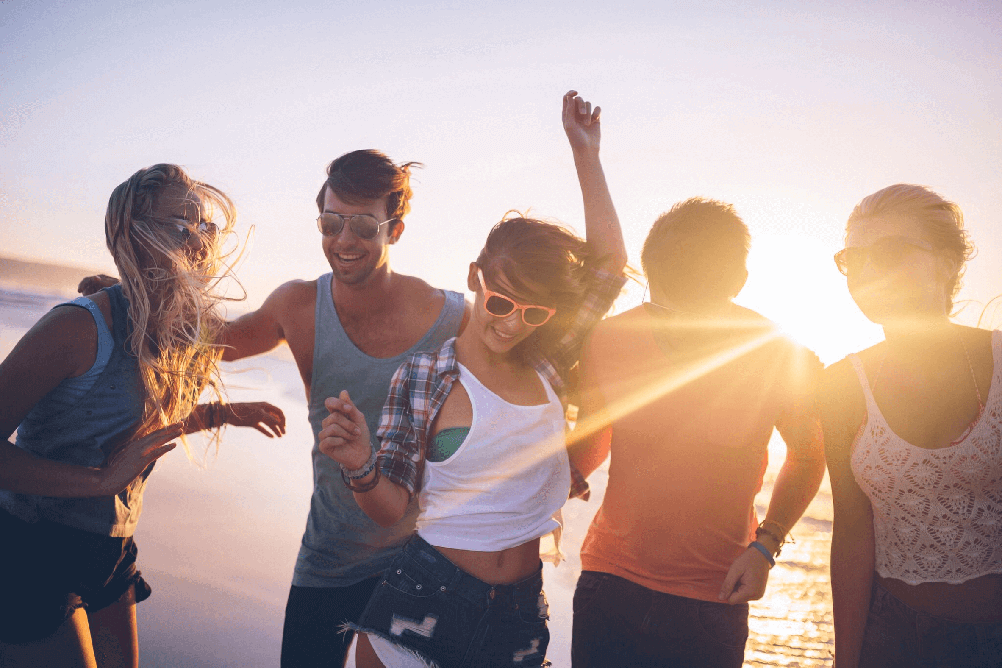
(500, 306)
(362, 224)
(184, 229)
(883, 254)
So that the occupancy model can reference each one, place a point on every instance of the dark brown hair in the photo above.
(367, 175)
(697, 251)
(531, 253)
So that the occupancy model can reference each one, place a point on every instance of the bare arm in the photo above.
(852, 555)
(345, 439)
(61, 345)
(602, 228)
(251, 334)
(591, 441)
(797, 483)
(266, 418)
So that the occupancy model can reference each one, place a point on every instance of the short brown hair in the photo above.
(367, 175)
(697, 251)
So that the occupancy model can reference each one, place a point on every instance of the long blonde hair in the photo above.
(173, 294)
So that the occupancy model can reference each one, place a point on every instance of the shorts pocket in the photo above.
(412, 582)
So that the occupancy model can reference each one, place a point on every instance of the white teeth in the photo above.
(347, 258)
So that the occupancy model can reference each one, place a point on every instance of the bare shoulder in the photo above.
(64, 339)
(419, 291)
(293, 294)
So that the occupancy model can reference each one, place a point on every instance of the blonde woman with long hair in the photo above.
(913, 434)
(97, 393)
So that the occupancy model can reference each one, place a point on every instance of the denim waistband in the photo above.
(424, 555)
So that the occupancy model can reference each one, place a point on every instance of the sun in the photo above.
(793, 281)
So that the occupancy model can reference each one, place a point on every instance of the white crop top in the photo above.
(937, 514)
(503, 485)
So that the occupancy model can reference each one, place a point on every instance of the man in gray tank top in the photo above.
(348, 330)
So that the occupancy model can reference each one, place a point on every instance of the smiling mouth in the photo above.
(504, 337)
(349, 257)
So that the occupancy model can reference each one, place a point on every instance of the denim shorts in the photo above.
(897, 635)
(621, 624)
(454, 620)
(48, 570)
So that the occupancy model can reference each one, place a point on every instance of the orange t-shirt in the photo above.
(689, 450)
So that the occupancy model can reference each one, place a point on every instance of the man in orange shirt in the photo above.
(685, 391)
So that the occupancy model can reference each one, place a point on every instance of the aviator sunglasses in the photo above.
(185, 229)
(500, 306)
(362, 224)
(884, 254)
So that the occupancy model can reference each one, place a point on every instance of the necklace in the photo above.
(970, 366)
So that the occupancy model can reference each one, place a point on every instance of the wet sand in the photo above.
(218, 544)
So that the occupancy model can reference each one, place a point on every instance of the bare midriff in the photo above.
(504, 567)
(977, 600)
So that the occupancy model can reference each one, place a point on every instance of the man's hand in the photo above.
(746, 579)
(581, 123)
(92, 284)
(344, 436)
(266, 418)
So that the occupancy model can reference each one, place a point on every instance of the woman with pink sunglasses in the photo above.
(913, 433)
(475, 433)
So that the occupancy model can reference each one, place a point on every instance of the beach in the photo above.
(218, 543)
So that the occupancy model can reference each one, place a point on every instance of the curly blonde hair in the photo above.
(172, 290)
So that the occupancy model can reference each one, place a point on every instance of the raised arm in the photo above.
(602, 229)
(852, 555)
(61, 345)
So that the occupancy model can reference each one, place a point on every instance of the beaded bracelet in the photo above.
(360, 487)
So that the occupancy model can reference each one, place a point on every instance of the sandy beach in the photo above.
(218, 543)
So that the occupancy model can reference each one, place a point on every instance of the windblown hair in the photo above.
(531, 254)
(697, 251)
(941, 220)
(172, 292)
(367, 175)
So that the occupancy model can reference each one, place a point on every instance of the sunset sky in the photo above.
(793, 111)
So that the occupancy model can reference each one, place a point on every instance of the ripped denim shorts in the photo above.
(443, 614)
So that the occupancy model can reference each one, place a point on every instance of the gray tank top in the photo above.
(341, 545)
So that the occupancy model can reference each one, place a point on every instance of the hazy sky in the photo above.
(793, 111)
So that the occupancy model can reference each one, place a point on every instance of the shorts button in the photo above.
(398, 571)
(442, 588)
(418, 587)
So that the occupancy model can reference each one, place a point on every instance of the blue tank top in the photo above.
(85, 432)
(341, 545)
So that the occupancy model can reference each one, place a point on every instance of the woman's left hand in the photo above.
(266, 418)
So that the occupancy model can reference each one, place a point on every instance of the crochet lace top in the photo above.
(937, 514)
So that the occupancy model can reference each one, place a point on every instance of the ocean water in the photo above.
(218, 542)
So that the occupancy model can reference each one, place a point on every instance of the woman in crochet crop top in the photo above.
(475, 431)
(913, 434)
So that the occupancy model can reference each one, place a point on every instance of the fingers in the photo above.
(730, 580)
(344, 406)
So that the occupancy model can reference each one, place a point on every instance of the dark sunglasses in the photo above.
(500, 306)
(362, 224)
(884, 254)
(184, 229)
